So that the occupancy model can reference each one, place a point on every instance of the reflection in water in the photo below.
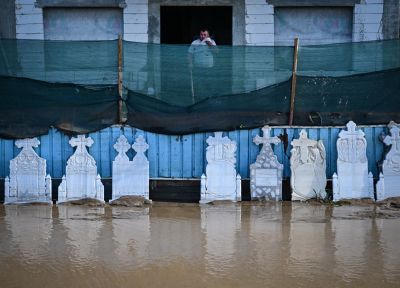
(82, 232)
(227, 245)
(389, 231)
(350, 245)
(31, 237)
(310, 234)
(220, 227)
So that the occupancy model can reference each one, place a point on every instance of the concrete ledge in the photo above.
(303, 3)
(80, 3)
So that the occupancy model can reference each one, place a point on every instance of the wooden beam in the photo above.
(120, 87)
(293, 88)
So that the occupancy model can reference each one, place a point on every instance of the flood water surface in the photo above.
(172, 245)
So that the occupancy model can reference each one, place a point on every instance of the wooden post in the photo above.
(293, 88)
(120, 88)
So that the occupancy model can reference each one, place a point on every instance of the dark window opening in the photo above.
(182, 24)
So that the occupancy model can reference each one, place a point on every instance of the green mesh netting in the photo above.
(72, 85)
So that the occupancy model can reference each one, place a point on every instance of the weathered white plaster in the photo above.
(29, 20)
(352, 180)
(81, 179)
(259, 23)
(130, 177)
(136, 20)
(28, 181)
(367, 21)
(220, 181)
(308, 166)
(389, 180)
(266, 172)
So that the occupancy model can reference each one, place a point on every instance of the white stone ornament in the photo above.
(81, 179)
(352, 180)
(266, 172)
(308, 166)
(28, 181)
(389, 180)
(130, 177)
(220, 181)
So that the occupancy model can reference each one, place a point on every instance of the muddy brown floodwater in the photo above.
(177, 245)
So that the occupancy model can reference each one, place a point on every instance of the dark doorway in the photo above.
(181, 24)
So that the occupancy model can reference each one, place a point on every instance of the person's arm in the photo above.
(211, 44)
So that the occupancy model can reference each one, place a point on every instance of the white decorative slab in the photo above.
(28, 181)
(266, 172)
(220, 181)
(130, 177)
(308, 166)
(352, 180)
(81, 179)
(389, 180)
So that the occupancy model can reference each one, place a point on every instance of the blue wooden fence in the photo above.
(184, 156)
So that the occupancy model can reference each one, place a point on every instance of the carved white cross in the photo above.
(304, 143)
(266, 139)
(27, 143)
(81, 142)
(218, 143)
(122, 146)
(352, 136)
(393, 139)
(140, 145)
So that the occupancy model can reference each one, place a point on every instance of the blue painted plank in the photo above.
(184, 157)
(115, 133)
(369, 136)
(278, 148)
(164, 160)
(199, 154)
(379, 147)
(58, 147)
(324, 136)
(292, 133)
(187, 157)
(243, 156)
(105, 145)
(2, 161)
(234, 136)
(334, 134)
(176, 156)
(253, 148)
(45, 152)
(94, 150)
(129, 133)
(152, 154)
(67, 151)
(8, 155)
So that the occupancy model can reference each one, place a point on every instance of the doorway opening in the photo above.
(182, 24)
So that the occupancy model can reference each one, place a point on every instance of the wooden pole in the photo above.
(293, 88)
(120, 88)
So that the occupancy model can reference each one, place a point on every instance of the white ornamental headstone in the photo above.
(221, 181)
(28, 181)
(130, 177)
(389, 180)
(81, 179)
(352, 180)
(266, 172)
(308, 166)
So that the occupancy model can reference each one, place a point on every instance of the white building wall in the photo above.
(136, 21)
(29, 20)
(259, 23)
(367, 24)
